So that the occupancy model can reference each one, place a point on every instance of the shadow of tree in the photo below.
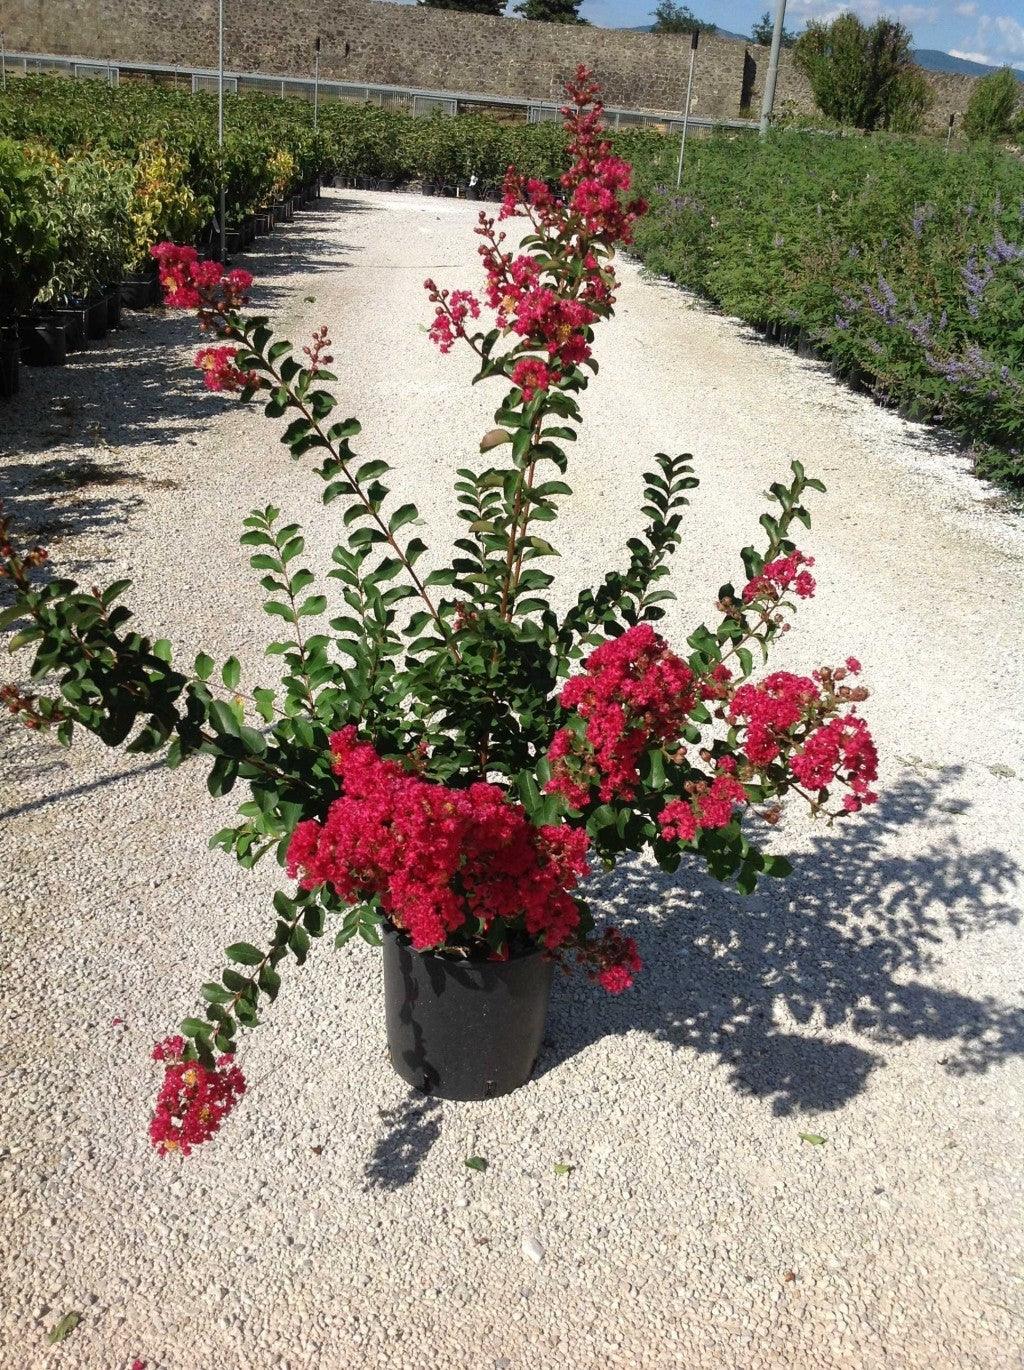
(834, 948)
(412, 1128)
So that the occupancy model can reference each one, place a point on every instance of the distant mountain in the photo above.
(933, 60)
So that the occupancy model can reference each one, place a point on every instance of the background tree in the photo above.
(762, 32)
(552, 11)
(858, 73)
(495, 8)
(992, 109)
(910, 100)
(672, 18)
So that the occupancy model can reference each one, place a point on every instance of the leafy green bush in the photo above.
(902, 264)
(992, 112)
(28, 242)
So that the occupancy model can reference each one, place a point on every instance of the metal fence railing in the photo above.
(415, 101)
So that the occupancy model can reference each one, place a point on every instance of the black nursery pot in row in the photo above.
(10, 356)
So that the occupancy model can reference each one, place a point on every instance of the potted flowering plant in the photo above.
(447, 756)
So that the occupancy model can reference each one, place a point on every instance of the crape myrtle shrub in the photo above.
(445, 754)
(902, 263)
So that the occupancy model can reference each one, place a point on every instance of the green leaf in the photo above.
(231, 673)
(476, 1163)
(812, 1138)
(244, 953)
(562, 1169)
(64, 1328)
(204, 666)
(406, 514)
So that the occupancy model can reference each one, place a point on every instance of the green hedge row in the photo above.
(899, 262)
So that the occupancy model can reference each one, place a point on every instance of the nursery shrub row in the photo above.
(900, 263)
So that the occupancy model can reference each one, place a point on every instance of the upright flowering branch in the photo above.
(446, 755)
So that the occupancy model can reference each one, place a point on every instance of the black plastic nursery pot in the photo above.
(113, 299)
(463, 1029)
(72, 318)
(96, 319)
(139, 292)
(9, 359)
(42, 341)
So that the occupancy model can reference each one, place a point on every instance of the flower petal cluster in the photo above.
(193, 1100)
(219, 370)
(710, 804)
(612, 960)
(192, 282)
(548, 302)
(777, 578)
(634, 694)
(841, 749)
(771, 709)
(439, 860)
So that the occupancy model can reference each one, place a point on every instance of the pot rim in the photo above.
(400, 936)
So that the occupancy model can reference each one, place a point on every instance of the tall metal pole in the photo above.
(220, 128)
(694, 39)
(768, 98)
(3, 59)
(949, 131)
(316, 82)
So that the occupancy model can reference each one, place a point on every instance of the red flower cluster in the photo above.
(219, 370)
(438, 858)
(548, 302)
(778, 576)
(841, 749)
(191, 282)
(612, 960)
(634, 694)
(771, 709)
(710, 805)
(194, 1099)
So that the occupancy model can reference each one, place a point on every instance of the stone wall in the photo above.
(408, 45)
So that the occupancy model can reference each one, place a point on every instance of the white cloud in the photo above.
(1011, 36)
(869, 10)
(972, 56)
(968, 11)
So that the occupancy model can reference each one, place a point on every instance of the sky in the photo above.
(982, 30)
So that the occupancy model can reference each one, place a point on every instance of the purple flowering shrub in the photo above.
(900, 263)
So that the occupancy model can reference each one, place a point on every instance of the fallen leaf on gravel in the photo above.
(476, 1163)
(813, 1138)
(64, 1328)
(532, 1250)
(562, 1169)
(317, 1150)
(789, 1276)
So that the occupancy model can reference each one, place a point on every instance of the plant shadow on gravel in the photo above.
(834, 950)
(413, 1126)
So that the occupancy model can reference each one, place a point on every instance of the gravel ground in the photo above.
(874, 1000)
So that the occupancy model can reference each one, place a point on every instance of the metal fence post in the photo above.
(768, 98)
(949, 131)
(316, 81)
(220, 129)
(694, 39)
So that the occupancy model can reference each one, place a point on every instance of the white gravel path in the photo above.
(874, 999)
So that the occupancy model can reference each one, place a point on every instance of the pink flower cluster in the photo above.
(192, 282)
(770, 709)
(549, 303)
(841, 749)
(219, 371)
(829, 749)
(634, 694)
(439, 860)
(612, 960)
(782, 575)
(194, 1099)
(710, 805)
